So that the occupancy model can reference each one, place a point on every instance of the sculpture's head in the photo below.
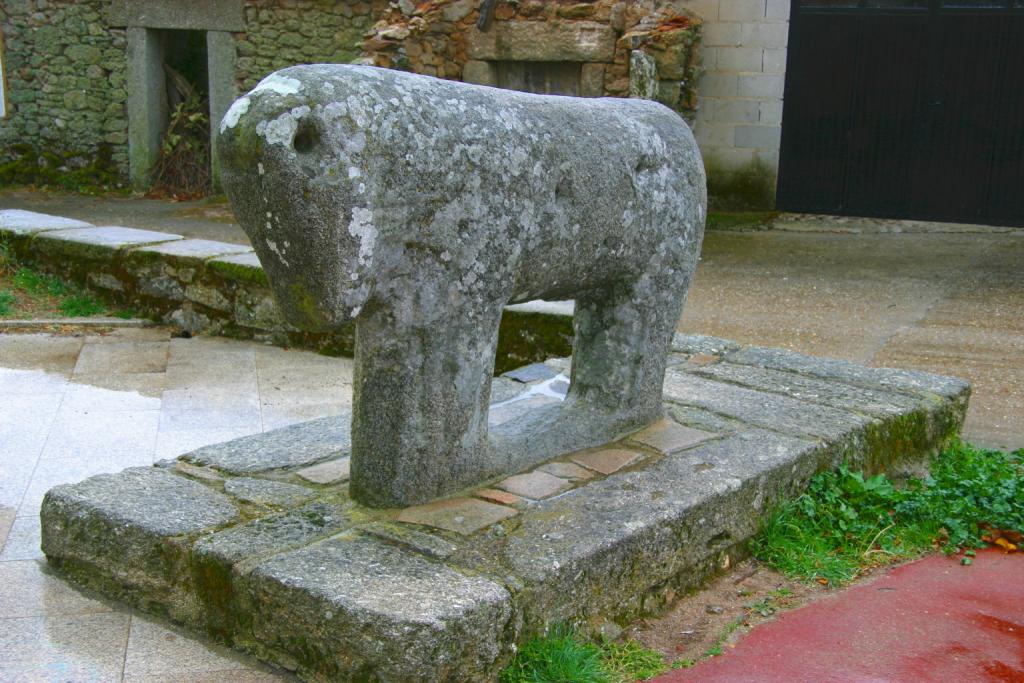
(291, 156)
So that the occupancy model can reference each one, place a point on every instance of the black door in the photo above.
(905, 109)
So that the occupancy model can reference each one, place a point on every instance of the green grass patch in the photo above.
(6, 302)
(564, 657)
(35, 282)
(846, 523)
(28, 293)
(81, 306)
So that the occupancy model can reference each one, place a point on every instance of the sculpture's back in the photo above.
(420, 207)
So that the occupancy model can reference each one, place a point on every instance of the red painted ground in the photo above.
(931, 620)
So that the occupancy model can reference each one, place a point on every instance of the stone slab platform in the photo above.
(256, 542)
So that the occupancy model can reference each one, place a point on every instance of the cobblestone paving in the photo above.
(74, 406)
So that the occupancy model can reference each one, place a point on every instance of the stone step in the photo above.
(205, 286)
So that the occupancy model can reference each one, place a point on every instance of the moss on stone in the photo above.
(239, 272)
(740, 220)
(750, 187)
(525, 338)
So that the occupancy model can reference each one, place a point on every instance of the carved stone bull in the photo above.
(420, 207)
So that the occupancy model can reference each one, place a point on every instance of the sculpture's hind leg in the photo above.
(622, 337)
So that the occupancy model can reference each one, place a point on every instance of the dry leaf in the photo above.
(1005, 545)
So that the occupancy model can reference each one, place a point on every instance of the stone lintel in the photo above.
(771, 411)
(582, 554)
(834, 394)
(201, 15)
(535, 41)
(127, 534)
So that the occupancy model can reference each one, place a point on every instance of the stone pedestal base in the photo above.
(257, 543)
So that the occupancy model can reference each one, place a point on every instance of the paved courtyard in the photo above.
(74, 406)
(951, 303)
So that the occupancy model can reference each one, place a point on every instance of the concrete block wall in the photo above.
(739, 103)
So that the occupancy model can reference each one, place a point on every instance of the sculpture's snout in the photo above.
(276, 141)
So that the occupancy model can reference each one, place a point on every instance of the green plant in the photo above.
(563, 657)
(35, 282)
(6, 302)
(80, 306)
(631, 661)
(183, 168)
(846, 523)
(560, 657)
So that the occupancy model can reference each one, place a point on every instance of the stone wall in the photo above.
(739, 112)
(441, 38)
(67, 65)
(66, 73)
(280, 33)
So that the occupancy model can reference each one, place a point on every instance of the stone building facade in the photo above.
(86, 78)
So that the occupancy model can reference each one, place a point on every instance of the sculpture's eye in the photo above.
(306, 137)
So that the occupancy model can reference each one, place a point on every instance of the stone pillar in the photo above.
(643, 76)
(220, 56)
(147, 104)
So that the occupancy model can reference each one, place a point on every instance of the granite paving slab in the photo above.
(537, 372)
(668, 437)
(534, 485)
(297, 445)
(327, 472)
(264, 492)
(19, 222)
(607, 460)
(110, 236)
(460, 515)
(196, 249)
(410, 617)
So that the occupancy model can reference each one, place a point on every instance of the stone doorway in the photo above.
(542, 78)
(192, 37)
(183, 164)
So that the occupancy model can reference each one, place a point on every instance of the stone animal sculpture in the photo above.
(419, 208)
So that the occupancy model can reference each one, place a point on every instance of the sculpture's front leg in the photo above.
(421, 395)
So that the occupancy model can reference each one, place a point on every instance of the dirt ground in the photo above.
(719, 615)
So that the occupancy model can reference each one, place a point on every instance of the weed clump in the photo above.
(846, 523)
(564, 657)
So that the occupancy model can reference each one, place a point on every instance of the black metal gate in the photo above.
(905, 109)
